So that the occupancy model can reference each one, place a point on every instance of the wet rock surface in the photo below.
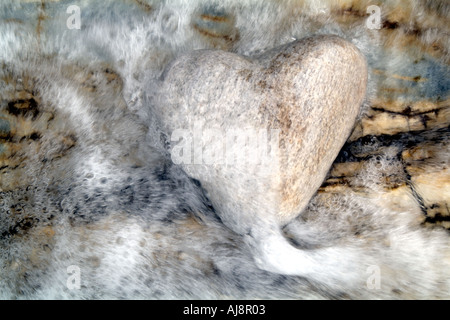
(309, 91)
(387, 189)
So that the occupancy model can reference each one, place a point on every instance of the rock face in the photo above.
(305, 96)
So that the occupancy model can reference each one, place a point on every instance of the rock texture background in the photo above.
(71, 132)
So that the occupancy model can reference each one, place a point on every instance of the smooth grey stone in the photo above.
(309, 92)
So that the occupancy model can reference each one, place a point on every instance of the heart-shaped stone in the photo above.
(288, 112)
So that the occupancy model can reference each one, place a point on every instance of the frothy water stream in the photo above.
(88, 182)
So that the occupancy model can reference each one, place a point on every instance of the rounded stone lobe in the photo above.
(319, 88)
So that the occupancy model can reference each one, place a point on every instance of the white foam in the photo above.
(139, 252)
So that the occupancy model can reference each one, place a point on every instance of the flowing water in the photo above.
(87, 186)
